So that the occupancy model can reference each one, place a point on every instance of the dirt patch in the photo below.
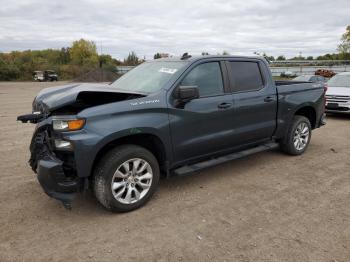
(267, 207)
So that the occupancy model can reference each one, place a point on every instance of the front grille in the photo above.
(337, 99)
(42, 148)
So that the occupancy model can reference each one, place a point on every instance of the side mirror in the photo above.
(187, 93)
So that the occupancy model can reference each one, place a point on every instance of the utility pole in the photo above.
(101, 77)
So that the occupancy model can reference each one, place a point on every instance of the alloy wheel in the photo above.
(132, 180)
(301, 136)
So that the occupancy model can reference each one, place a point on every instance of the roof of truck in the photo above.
(199, 57)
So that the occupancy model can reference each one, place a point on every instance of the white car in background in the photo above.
(338, 94)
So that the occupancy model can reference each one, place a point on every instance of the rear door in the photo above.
(255, 101)
(203, 126)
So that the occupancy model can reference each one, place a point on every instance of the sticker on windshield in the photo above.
(167, 70)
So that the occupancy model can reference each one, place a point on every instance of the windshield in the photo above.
(302, 78)
(340, 81)
(148, 77)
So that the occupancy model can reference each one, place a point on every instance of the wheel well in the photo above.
(148, 141)
(310, 113)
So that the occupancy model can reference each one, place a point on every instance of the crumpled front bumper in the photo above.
(51, 171)
(54, 182)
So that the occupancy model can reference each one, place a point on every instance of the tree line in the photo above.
(68, 62)
(81, 56)
(343, 51)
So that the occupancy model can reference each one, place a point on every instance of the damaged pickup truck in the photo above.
(166, 117)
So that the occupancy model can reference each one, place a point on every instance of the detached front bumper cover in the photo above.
(52, 179)
(50, 170)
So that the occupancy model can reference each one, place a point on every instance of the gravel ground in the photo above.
(266, 207)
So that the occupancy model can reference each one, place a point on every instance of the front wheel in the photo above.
(126, 178)
(298, 136)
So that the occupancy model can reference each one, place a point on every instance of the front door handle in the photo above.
(224, 105)
(268, 99)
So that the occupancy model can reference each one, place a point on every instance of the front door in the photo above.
(204, 125)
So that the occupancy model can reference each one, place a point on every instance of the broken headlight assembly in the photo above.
(68, 125)
(65, 125)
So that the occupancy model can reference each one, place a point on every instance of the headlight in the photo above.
(68, 125)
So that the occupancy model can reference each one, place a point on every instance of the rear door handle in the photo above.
(268, 99)
(224, 105)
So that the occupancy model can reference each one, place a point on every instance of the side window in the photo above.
(207, 77)
(314, 79)
(246, 76)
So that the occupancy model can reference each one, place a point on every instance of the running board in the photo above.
(185, 170)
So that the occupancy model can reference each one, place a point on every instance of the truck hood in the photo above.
(339, 91)
(80, 96)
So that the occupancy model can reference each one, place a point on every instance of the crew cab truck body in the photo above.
(168, 116)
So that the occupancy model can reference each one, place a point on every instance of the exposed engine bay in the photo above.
(70, 100)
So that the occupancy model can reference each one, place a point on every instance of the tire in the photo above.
(294, 135)
(115, 173)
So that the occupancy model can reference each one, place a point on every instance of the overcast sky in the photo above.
(175, 26)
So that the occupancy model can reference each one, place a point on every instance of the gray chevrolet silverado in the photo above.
(165, 117)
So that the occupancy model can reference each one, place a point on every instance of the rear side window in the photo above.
(246, 76)
(314, 79)
(207, 77)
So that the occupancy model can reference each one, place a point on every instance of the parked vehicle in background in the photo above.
(38, 76)
(50, 75)
(325, 73)
(168, 116)
(338, 94)
(288, 74)
(311, 78)
(47, 75)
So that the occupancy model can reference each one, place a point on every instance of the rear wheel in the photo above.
(298, 136)
(126, 178)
